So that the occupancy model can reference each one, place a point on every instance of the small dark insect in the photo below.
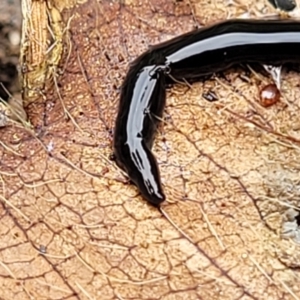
(269, 95)
(210, 96)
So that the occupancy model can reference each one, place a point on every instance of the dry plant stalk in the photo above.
(42, 46)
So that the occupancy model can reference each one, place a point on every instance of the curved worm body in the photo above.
(193, 55)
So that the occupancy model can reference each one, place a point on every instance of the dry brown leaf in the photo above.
(71, 228)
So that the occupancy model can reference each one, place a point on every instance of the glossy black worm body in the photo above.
(190, 56)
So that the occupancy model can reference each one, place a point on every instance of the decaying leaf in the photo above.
(72, 227)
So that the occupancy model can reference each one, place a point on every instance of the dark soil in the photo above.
(10, 34)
